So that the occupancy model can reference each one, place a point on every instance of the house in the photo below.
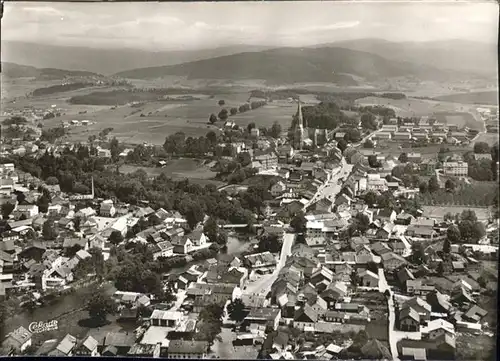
(417, 287)
(182, 244)
(305, 318)
(385, 215)
(343, 199)
(263, 317)
(334, 292)
(107, 209)
(86, 347)
(475, 314)
(392, 261)
(323, 205)
(18, 340)
(456, 168)
(437, 328)
(163, 249)
(278, 189)
(438, 302)
(420, 306)
(259, 260)
(64, 347)
(187, 349)
(268, 158)
(116, 343)
(409, 320)
(369, 279)
(27, 211)
(165, 318)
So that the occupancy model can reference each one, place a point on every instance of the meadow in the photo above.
(179, 169)
(448, 112)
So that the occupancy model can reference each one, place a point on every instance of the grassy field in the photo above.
(490, 138)
(453, 112)
(153, 121)
(179, 169)
(439, 211)
(483, 97)
(462, 119)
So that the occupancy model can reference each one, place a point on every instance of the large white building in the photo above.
(456, 168)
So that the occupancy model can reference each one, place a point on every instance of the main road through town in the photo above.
(263, 285)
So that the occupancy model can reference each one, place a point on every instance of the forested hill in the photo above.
(13, 70)
(288, 65)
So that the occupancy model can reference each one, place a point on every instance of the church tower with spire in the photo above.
(300, 131)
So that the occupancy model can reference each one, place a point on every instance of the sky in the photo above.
(183, 26)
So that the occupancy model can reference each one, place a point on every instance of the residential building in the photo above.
(187, 349)
(266, 318)
(107, 209)
(409, 320)
(369, 279)
(268, 159)
(456, 168)
(18, 340)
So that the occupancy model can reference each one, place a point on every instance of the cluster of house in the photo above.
(425, 130)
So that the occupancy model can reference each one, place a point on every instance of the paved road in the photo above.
(393, 340)
(181, 296)
(263, 285)
(332, 187)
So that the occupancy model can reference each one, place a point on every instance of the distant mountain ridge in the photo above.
(456, 55)
(106, 61)
(285, 65)
(13, 70)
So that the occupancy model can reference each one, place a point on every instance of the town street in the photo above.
(393, 339)
(332, 187)
(263, 285)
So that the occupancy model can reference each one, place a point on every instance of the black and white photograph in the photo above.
(278, 180)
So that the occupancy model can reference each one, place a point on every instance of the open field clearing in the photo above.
(477, 97)
(438, 212)
(490, 138)
(179, 169)
(453, 113)
(462, 119)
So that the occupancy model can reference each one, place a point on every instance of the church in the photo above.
(305, 137)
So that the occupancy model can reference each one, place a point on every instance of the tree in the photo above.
(368, 121)
(403, 158)
(210, 229)
(440, 269)
(270, 243)
(453, 235)
(114, 147)
(100, 306)
(223, 115)
(418, 253)
(368, 144)
(481, 148)
(212, 119)
(43, 203)
(222, 102)
(48, 231)
(236, 310)
(370, 198)
(372, 267)
(450, 185)
(7, 209)
(342, 144)
(194, 214)
(210, 323)
(298, 223)
(52, 181)
(447, 246)
(433, 184)
(373, 162)
(116, 237)
(250, 127)
(423, 187)
(275, 130)
(233, 111)
(361, 223)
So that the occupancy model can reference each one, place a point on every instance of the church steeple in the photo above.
(300, 117)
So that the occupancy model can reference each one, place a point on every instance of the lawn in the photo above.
(475, 347)
(179, 169)
(438, 212)
(462, 119)
(484, 97)
(490, 138)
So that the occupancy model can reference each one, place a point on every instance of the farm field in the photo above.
(478, 97)
(153, 121)
(419, 107)
(461, 119)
